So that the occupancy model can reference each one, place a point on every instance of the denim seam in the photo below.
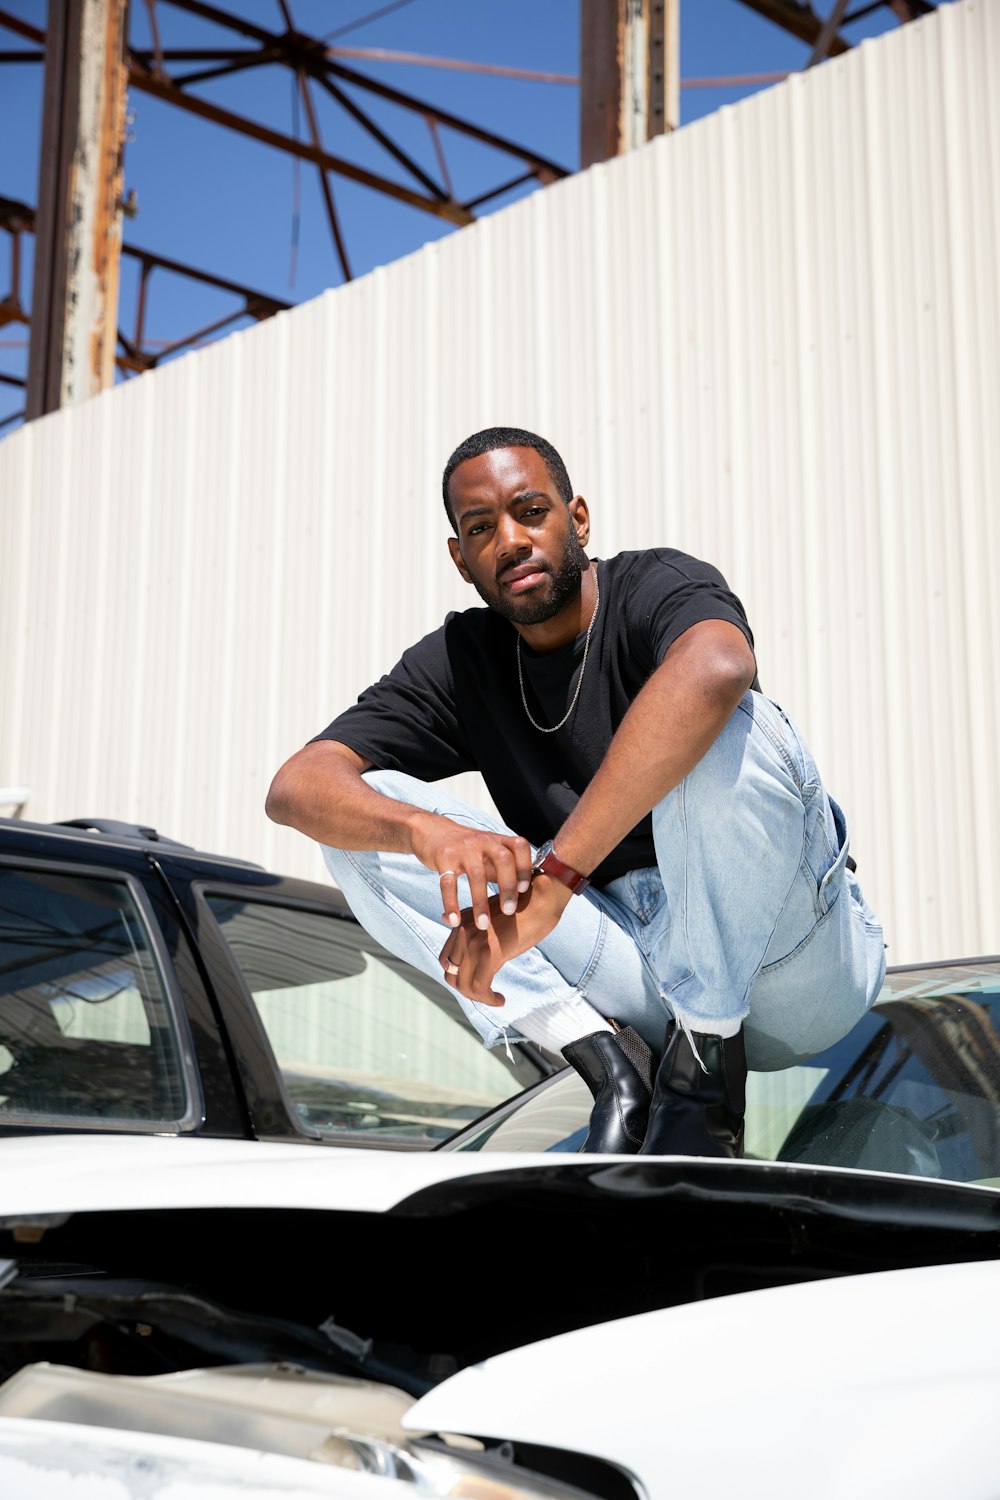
(682, 804)
(744, 1000)
(595, 957)
(760, 967)
(776, 743)
(839, 859)
(781, 962)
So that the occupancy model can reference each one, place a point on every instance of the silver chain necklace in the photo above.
(551, 729)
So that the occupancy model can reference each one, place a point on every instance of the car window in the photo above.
(87, 1031)
(364, 1043)
(913, 1088)
(553, 1118)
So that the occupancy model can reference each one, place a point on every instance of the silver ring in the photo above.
(443, 873)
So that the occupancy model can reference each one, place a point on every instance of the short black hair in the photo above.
(491, 438)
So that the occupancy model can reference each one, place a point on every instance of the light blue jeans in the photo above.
(749, 917)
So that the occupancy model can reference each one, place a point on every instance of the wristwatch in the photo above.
(547, 862)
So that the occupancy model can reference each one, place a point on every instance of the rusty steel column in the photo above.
(629, 74)
(78, 228)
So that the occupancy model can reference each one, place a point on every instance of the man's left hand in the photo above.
(470, 958)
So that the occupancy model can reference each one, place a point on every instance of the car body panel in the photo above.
(651, 1368)
(865, 1385)
(402, 1079)
(107, 1173)
(80, 1173)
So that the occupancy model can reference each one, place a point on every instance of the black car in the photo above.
(149, 986)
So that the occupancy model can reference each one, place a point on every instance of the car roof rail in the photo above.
(118, 829)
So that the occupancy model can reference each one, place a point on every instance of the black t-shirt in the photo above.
(453, 703)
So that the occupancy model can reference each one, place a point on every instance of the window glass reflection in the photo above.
(363, 1041)
(85, 1029)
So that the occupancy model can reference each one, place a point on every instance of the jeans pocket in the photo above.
(776, 729)
(832, 882)
(645, 893)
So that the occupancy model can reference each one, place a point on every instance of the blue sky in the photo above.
(237, 208)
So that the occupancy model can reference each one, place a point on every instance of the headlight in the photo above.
(458, 1476)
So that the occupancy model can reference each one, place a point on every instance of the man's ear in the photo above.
(580, 513)
(456, 557)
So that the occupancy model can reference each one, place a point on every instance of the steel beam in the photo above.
(798, 20)
(171, 94)
(19, 218)
(79, 223)
(821, 48)
(629, 82)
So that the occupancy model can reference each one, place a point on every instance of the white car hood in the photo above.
(79, 1173)
(882, 1384)
(51, 1174)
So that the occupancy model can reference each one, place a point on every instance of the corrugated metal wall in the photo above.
(770, 339)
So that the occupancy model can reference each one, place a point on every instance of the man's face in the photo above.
(518, 544)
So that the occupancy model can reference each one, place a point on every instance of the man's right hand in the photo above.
(451, 849)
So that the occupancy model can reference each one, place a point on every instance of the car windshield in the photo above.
(913, 1088)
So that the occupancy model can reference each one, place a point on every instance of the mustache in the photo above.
(528, 562)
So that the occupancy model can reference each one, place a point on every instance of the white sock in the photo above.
(554, 1026)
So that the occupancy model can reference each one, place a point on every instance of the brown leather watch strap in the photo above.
(547, 862)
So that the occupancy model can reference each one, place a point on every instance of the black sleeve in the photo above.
(672, 592)
(407, 720)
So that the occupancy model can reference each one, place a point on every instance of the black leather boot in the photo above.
(617, 1067)
(696, 1111)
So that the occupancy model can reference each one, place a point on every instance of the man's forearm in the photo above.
(321, 792)
(671, 724)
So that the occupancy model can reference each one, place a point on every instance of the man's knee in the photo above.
(433, 796)
(395, 784)
(747, 770)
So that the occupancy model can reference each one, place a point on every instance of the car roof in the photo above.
(113, 843)
(114, 831)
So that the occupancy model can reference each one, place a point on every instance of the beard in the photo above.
(544, 603)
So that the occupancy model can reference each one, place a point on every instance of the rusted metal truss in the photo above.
(136, 352)
(172, 74)
(822, 32)
(175, 76)
(314, 64)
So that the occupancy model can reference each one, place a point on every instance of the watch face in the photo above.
(542, 855)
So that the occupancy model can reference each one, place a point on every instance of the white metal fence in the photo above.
(770, 339)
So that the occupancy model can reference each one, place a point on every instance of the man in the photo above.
(670, 891)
